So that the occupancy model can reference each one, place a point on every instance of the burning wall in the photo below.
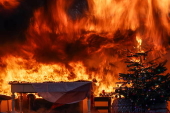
(59, 40)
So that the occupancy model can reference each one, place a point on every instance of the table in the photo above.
(56, 92)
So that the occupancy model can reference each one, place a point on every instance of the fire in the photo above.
(139, 40)
(70, 41)
(21, 70)
(139, 44)
(9, 4)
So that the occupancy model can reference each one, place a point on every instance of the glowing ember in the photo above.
(82, 40)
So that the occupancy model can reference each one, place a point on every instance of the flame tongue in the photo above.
(139, 41)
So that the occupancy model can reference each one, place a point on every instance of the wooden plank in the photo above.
(103, 104)
(102, 98)
(22, 88)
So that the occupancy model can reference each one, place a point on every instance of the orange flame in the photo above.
(139, 40)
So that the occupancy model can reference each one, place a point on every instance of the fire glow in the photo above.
(65, 44)
(9, 4)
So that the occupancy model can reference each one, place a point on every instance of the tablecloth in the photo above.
(63, 92)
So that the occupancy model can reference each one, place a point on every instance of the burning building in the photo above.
(59, 40)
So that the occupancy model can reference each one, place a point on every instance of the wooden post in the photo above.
(13, 102)
(89, 104)
(8, 105)
(20, 102)
(0, 106)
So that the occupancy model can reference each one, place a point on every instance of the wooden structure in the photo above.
(102, 104)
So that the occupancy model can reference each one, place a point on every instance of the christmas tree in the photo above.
(144, 84)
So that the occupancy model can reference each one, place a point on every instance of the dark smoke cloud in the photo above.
(14, 22)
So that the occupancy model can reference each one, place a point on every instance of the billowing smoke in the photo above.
(14, 21)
